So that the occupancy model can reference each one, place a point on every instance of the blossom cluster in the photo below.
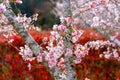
(56, 48)
(6, 28)
(110, 52)
(3, 19)
(76, 35)
(26, 53)
(99, 44)
(80, 52)
(54, 53)
(26, 20)
(93, 13)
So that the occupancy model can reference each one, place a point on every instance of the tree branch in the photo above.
(70, 71)
(22, 32)
(34, 46)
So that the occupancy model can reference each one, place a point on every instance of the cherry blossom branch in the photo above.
(69, 72)
(22, 32)
(31, 43)
(111, 38)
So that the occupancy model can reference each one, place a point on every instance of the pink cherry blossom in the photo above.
(26, 53)
(80, 51)
(2, 8)
(40, 57)
(35, 17)
(29, 66)
(69, 20)
(62, 28)
(55, 27)
(77, 60)
(18, 1)
(76, 35)
(52, 62)
(61, 63)
(68, 52)
(87, 78)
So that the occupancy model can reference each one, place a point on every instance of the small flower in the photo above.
(107, 56)
(55, 27)
(77, 61)
(62, 19)
(55, 34)
(35, 17)
(2, 8)
(68, 52)
(52, 62)
(62, 28)
(80, 52)
(61, 63)
(28, 20)
(26, 53)
(10, 41)
(76, 35)
(39, 57)
(29, 66)
(96, 21)
(101, 55)
(18, 1)
(20, 18)
(87, 79)
(93, 4)
(69, 20)
(115, 53)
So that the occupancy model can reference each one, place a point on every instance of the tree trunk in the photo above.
(70, 71)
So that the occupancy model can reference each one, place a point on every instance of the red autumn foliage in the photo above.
(12, 67)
